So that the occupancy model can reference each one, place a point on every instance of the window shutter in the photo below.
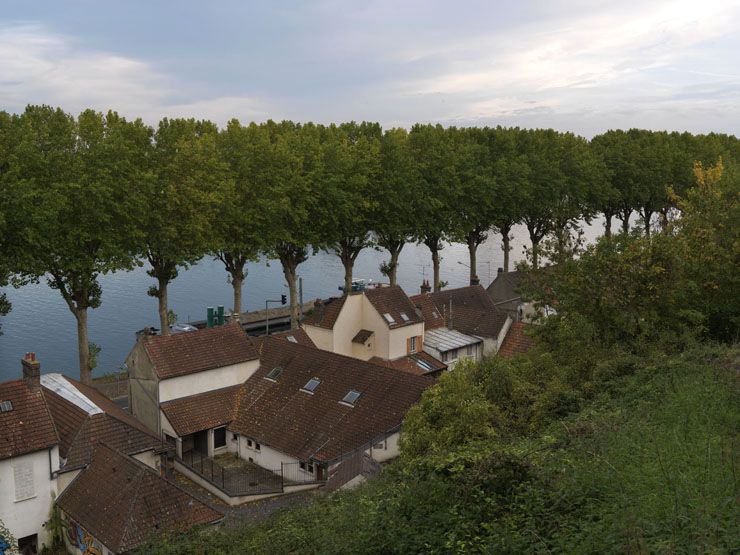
(408, 345)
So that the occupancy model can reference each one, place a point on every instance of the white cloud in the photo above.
(41, 67)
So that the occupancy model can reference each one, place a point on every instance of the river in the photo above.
(40, 320)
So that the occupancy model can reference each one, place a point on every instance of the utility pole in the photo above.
(300, 298)
(283, 299)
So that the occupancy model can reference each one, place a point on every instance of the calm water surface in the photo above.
(40, 320)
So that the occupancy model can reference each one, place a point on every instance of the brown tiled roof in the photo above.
(298, 334)
(278, 414)
(123, 503)
(517, 340)
(28, 426)
(362, 336)
(473, 311)
(429, 312)
(394, 301)
(80, 432)
(410, 364)
(325, 313)
(201, 412)
(195, 351)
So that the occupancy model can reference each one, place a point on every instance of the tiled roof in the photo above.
(204, 411)
(429, 312)
(297, 335)
(123, 503)
(504, 287)
(81, 429)
(362, 336)
(473, 311)
(195, 351)
(278, 414)
(28, 426)
(517, 340)
(420, 363)
(394, 301)
(325, 313)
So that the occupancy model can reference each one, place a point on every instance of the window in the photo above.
(445, 356)
(309, 467)
(302, 465)
(219, 437)
(312, 384)
(169, 440)
(351, 397)
(23, 477)
(412, 344)
(274, 373)
(292, 339)
(470, 351)
(380, 445)
(389, 318)
(6, 406)
(424, 365)
(256, 446)
(234, 437)
(404, 317)
(249, 443)
(453, 354)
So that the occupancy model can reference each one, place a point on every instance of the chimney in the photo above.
(475, 280)
(31, 370)
(425, 287)
(500, 271)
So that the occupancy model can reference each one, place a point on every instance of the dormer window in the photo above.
(351, 397)
(312, 384)
(389, 318)
(274, 373)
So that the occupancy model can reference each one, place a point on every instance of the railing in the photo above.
(233, 481)
(294, 475)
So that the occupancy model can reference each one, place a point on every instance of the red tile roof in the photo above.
(278, 414)
(473, 311)
(123, 503)
(299, 335)
(430, 313)
(204, 411)
(187, 353)
(411, 364)
(28, 426)
(80, 432)
(517, 340)
(394, 301)
(325, 313)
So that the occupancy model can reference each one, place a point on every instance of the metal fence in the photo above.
(244, 480)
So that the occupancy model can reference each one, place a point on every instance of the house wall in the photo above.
(322, 338)
(142, 387)
(149, 458)
(84, 543)
(208, 380)
(398, 337)
(266, 457)
(27, 516)
(348, 323)
(385, 450)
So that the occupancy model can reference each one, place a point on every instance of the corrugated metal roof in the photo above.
(445, 339)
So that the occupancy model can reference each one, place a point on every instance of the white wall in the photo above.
(65, 478)
(208, 380)
(386, 450)
(149, 459)
(266, 457)
(322, 338)
(26, 517)
(397, 346)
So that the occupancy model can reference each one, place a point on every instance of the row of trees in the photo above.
(97, 193)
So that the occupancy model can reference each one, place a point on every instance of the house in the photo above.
(117, 503)
(420, 364)
(517, 340)
(506, 295)
(291, 424)
(378, 322)
(163, 368)
(468, 310)
(451, 346)
(29, 458)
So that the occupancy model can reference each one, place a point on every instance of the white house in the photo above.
(451, 346)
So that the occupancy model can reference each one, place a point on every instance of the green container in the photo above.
(209, 317)
(220, 319)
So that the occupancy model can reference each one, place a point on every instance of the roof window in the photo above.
(292, 339)
(6, 406)
(389, 318)
(274, 373)
(404, 317)
(351, 397)
(424, 365)
(312, 384)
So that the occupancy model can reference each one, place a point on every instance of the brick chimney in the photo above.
(425, 287)
(31, 370)
(499, 272)
(475, 280)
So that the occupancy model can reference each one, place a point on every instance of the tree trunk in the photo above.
(624, 215)
(473, 254)
(506, 245)
(535, 253)
(664, 218)
(435, 266)
(164, 322)
(394, 246)
(393, 270)
(349, 266)
(236, 283)
(289, 270)
(83, 345)
(647, 216)
(607, 225)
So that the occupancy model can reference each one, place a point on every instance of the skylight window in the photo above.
(351, 397)
(404, 317)
(312, 384)
(6, 406)
(292, 339)
(274, 373)
(389, 318)
(424, 365)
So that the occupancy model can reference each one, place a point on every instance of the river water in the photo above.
(40, 320)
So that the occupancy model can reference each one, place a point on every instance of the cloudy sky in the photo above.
(580, 65)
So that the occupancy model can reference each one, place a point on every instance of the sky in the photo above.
(577, 65)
